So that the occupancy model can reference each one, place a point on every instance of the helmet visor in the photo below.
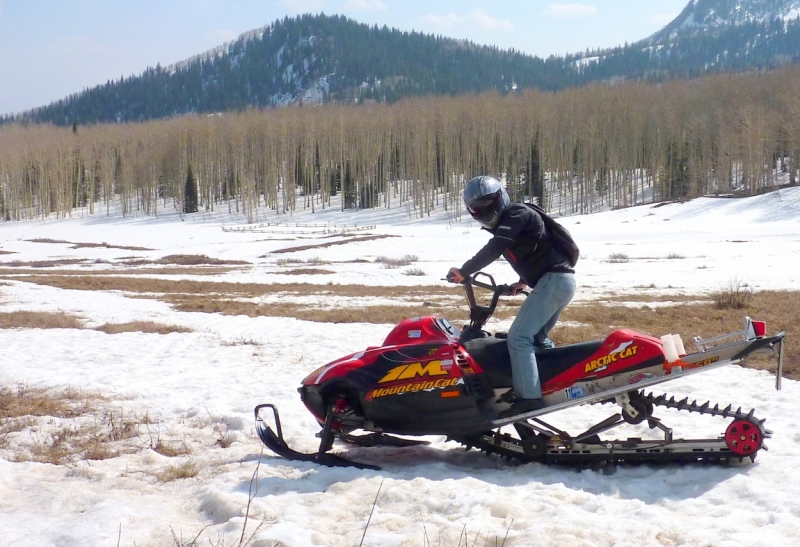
(484, 206)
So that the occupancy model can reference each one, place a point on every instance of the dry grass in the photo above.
(287, 261)
(87, 245)
(27, 401)
(170, 450)
(68, 425)
(150, 327)
(329, 244)
(2, 252)
(394, 263)
(197, 260)
(185, 470)
(231, 290)
(382, 314)
(23, 269)
(308, 271)
(691, 315)
(39, 320)
(736, 296)
(618, 258)
(65, 436)
(45, 263)
(47, 240)
(185, 260)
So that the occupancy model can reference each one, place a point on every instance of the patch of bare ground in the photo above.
(47, 240)
(382, 314)
(2, 252)
(39, 320)
(308, 271)
(65, 426)
(58, 426)
(329, 244)
(88, 245)
(689, 316)
(197, 270)
(45, 263)
(185, 470)
(189, 260)
(231, 290)
(150, 327)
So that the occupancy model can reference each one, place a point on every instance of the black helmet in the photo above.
(486, 199)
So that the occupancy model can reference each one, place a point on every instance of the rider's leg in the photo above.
(542, 306)
(542, 339)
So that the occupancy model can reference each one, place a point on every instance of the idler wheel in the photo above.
(643, 407)
(743, 437)
(535, 446)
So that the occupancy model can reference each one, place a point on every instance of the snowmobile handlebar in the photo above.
(478, 314)
(500, 290)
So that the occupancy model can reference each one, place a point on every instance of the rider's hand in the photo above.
(516, 287)
(454, 275)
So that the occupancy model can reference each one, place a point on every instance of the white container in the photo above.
(676, 339)
(669, 348)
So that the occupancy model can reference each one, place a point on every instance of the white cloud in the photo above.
(476, 18)
(303, 6)
(364, 5)
(482, 19)
(570, 11)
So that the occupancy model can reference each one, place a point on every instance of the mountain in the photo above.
(320, 59)
(704, 15)
(308, 59)
(708, 36)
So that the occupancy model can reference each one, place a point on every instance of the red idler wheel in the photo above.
(743, 437)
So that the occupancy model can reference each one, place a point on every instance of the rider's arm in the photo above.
(512, 225)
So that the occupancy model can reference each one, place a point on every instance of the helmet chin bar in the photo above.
(492, 222)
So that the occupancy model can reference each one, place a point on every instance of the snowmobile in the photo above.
(431, 378)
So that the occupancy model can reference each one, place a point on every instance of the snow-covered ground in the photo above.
(196, 391)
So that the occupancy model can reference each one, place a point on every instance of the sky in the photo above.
(50, 49)
(188, 390)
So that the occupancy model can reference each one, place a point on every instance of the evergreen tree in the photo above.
(190, 193)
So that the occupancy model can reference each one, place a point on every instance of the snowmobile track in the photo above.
(535, 445)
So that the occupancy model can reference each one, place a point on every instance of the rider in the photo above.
(520, 236)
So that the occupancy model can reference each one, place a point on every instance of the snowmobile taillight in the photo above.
(760, 328)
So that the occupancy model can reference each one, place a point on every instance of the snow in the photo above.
(191, 389)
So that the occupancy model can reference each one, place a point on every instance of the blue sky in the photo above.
(52, 48)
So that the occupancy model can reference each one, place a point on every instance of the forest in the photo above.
(576, 151)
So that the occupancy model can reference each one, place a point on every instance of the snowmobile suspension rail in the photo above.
(540, 442)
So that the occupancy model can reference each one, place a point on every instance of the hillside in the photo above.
(708, 36)
(324, 59)
(308, 60)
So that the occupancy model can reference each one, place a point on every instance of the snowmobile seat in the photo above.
(493, 357)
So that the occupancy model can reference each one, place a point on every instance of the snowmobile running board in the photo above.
(735, 351)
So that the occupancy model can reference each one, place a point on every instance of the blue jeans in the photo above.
(537, 316)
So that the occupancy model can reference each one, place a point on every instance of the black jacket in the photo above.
(522, 239)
